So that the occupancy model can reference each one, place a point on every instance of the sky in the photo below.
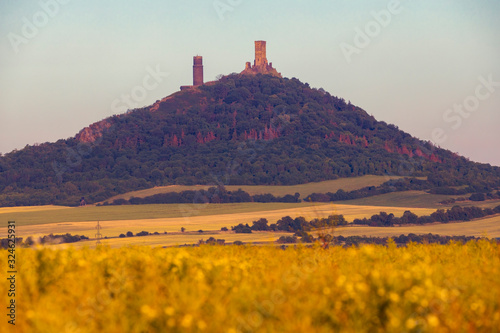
(431, 67)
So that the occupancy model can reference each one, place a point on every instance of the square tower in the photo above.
(197, 71)
(260, 54)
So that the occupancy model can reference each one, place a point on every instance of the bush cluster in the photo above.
(456, 213)
(48, 239)
(291, 225)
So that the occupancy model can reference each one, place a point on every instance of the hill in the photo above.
(240, 130)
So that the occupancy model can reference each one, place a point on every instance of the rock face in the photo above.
(260, 64)
(93, 132)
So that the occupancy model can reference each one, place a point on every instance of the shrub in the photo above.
(287, 239)
(119, 202)
(242, 229)
(477, 197)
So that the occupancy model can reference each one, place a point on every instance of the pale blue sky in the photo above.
(86, 55)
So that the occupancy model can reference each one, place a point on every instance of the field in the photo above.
(416, 199)
(52, 214)
(419, 288)
(167, 220)
(347, 184)
(116, 220)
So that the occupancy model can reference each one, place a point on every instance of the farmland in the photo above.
(201, 221)
(53, 214)
(155, 218)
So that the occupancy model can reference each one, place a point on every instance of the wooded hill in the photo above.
(240, 130)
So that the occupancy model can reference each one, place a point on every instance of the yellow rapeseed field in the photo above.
(419, 288)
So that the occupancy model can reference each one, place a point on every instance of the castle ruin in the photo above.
(260, 64)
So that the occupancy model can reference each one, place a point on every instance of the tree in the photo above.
(300, 223)
(242, 229)
(285, 224)
(260, 224)
(409, 217)
(440, 216)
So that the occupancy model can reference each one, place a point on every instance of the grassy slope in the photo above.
(347, 184)
(418, 199)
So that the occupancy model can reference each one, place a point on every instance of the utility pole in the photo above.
(98, 236)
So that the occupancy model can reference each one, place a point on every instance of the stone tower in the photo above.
(260, 54)
(260, 64)
(197, 71)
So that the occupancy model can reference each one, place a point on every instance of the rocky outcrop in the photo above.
(93, 132)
